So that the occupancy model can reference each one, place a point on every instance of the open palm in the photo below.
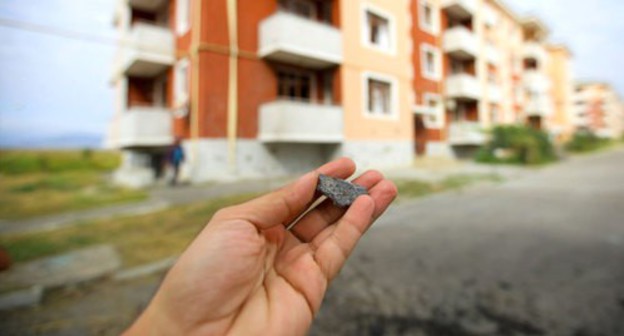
(246, 274)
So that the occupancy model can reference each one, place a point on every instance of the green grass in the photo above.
(586, 142)
(418, 188)
(19, 162)
(139, 239)
(37, 183)
(150, 237)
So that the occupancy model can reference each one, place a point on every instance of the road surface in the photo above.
(542, 255)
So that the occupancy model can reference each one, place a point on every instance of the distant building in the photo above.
(561, 92)
(599, 109)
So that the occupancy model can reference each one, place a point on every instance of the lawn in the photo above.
(37, 183)
(146, 238)
(139, 239)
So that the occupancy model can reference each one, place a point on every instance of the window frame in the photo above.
(183, 16)
(394, 95)
(438, 113)
(434, 28)
(436, 75)
(181, 90)
(365, 29)
(313, 92)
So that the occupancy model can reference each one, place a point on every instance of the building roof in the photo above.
(534, 23)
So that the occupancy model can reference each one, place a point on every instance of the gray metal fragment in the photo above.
(341, 192)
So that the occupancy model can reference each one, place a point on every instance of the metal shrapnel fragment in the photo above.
(341, 192)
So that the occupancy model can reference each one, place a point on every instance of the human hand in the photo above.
(246, 274)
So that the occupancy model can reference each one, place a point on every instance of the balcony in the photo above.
(466, 133)
(300, 122)
(462, 86)
(492, 55)
(540, 106)
(535, 51)
(149, 51)
(495, 94)
(145, 127)
(147, 5)
(460, 9)
(460, 42)
(292, 39)
(536, 81)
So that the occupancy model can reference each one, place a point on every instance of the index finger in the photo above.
(286, 204)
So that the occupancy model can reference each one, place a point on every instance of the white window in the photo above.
(380, 96)
(494, 115)
(183, 16)
(428, 18)
(435, 117)
(430, 62)
(181, 82)
(378, 31)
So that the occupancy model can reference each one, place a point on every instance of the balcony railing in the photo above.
(148, 51)
(466, 133)
(147, 5)
(535, 81)
(460, 9)
(460, 42)
(296, 40)
(294, 121)
(145, 127)
(463, 86)
(540, 105)
(535, 51)
(495, 94)
(491, 54)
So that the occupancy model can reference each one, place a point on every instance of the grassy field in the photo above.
(151, 237)
(36, 183)
(139, 239)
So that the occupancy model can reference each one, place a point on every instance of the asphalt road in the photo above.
(541, 255)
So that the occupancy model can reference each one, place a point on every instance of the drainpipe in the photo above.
(195, 41)
(232, 120)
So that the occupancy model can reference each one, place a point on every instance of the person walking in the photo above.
(176, 157)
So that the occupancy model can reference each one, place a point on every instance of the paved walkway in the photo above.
(163, 197)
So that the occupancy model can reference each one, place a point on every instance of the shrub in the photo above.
(586, 141)
(517, 145)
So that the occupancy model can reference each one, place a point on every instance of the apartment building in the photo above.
(561, 92)
(468, 73)
(599, 109)
(538, 104)
(261, 88)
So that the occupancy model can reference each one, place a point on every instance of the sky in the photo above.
(53, 85)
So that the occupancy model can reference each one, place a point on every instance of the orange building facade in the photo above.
(261, 88)
(276, 87)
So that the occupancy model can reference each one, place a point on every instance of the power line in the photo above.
(60, 32)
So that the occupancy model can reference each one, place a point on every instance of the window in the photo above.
(494, 115)
(433, 103)
(378, 30)
(430, 62)
(380, 96)
(183, 16)
(304, 8)
(294, 85)
(181, 82)
(427, 17)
